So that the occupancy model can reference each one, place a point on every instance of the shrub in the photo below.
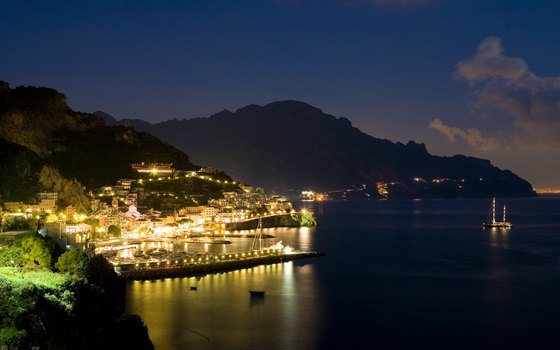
(74, 262)
(11, 256)
(36, 252)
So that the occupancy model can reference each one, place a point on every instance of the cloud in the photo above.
(402, 3)
(488, 62)
(473, 137)
(507, 84)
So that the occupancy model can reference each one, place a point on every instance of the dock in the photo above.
(208, 264)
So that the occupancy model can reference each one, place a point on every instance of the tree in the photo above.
(14, 223)
(185, 221)
(261, 210)
(11, 256)
(102, 274)
(12, 338)
(304, 218)
(307, 219)
(114, 230)
(36, 252)
(74, 262)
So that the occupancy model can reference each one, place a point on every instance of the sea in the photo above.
(397, 274)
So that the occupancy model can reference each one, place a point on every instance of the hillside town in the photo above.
(120, 210)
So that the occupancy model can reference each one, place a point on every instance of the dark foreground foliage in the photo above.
(46, 310)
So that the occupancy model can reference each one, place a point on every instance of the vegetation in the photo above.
(70, 192)
(188, 191)
(80, 308)
(18, 223)
(11, 256)
(51, 310)
(18, 173)
(12, 338)
(73, 262)
(36, 252)
(304, 218)
(114, 231)
(45, 144)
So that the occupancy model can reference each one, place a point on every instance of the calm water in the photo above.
(398, 274)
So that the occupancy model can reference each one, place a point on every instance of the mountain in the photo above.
(108, 119)
(290, 145)
(46, 146)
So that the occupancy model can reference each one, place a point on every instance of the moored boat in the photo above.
(493, 222)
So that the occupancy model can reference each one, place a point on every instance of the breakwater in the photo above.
(207, 264)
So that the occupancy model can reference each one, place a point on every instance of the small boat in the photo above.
(193, 288)
(257, 293)
(206, 240)
(494, 223)
(202, 240)
(222, 241)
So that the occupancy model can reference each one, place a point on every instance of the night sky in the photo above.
(476, 77)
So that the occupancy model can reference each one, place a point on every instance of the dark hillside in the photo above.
(45, 144)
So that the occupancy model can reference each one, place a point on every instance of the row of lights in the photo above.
(216, 258)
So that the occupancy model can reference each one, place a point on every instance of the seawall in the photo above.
(206, 265)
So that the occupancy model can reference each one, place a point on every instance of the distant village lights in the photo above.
(311, 196)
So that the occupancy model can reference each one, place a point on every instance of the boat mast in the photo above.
(504, 213)
(493, 209)
(258, 237)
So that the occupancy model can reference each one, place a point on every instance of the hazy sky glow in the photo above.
(475, 77)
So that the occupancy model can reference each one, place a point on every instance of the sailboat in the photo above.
(494, 223)
(257, 240)
(257, 244)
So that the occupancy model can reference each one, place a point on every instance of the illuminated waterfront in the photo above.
(397, 274)
(127, 251)
(220, 314)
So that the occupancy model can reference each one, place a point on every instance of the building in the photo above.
(45, 206)
(154, 168)
(208, 170)
(209, 212)
(126, 183)
(225, 216)
(14, 206)
(47, 196)
(70, 211)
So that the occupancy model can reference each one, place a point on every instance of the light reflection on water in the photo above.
(221, 314)
(391, 279)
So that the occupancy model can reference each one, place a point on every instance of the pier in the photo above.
(208, 264)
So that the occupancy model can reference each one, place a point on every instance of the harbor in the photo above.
(182, 257)
(209, 264)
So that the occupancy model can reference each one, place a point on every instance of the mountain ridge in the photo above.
(290, 144)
